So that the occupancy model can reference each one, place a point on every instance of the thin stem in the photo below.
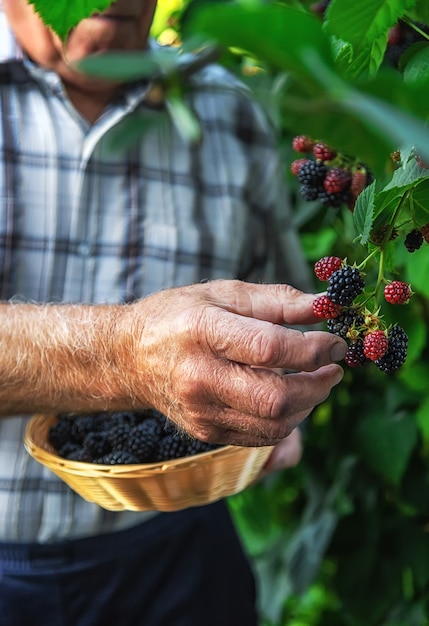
(380, 277)
(415, 27)
(395, 215)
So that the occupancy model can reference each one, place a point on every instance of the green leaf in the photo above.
(63, 16)
(416, 378)
(420, 13)
(130, 65)
(364, 25)
(367, 60)
(363, 213)
(422, 418)
(417, 270)
(183, 118)
(417, 66)
(386, 442)
(291, 31)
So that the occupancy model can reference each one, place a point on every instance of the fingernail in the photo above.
(338, 351)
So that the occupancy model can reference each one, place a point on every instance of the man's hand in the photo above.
(203, 355)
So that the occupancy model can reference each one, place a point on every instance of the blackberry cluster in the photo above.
(121, 438)
(401, 37)
(396, 353)
(347, 316)
(327, 176)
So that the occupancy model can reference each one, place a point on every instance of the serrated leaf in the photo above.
(370, 21)
(363, 213)
(63, 16)
(386, 443)
(367, 60)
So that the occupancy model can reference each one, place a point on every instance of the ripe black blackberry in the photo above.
(396, 352)
(74, 452)
(84, 424)
(60, 433)
(117, 457)
(334, 200)
(355, 356)
(414, 240)
(196, 447)
(347, 319)
(172, 447)
(97, 443)
(312, 173)
(344, 285)
(310, 193)
(118, 435)
(124, 417)
(143, 440)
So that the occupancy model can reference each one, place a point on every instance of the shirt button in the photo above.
(84, 249)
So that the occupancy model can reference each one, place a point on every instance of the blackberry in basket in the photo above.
(122, 438)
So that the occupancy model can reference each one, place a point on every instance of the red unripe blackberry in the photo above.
(396, 353)
(395, 35)
(336, 180)
(425, 232)
(296, 165)
(323, 152)
(358, 182)
(344, 285)
(355, 356)
(325, 308)
(325, 266)
(397, 292)
(413, 240)
(302, 143)
(375, 344)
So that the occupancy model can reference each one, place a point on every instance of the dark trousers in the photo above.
(178, 569)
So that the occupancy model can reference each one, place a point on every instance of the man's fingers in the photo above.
(279, 304)
(259, 407)
(264, 344)
(235, 428)
(268, 395)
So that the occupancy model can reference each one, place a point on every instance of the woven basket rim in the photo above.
(45, 454)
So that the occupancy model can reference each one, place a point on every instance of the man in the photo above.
(124, 249)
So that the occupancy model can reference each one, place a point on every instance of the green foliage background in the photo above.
(342, 539)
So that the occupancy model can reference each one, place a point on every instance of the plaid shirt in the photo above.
(81, 221)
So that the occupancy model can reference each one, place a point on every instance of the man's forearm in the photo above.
(63, 358)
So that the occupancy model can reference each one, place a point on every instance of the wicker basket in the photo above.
(168, 486)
